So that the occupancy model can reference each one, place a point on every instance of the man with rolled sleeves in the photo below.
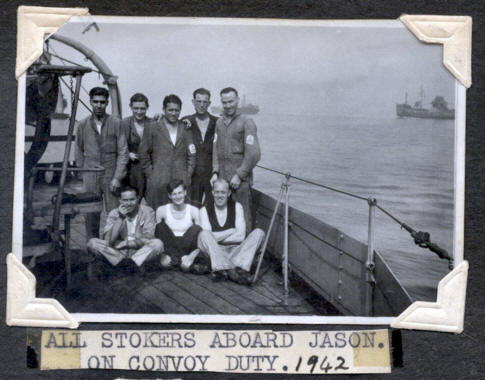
(236, 151)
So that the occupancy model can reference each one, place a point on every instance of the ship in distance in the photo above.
(439, 109)
(246, 108)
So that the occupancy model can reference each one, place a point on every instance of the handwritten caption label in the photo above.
(238, 351)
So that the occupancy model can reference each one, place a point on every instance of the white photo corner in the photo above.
(359, 189)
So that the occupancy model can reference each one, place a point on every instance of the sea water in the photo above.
(406, 164)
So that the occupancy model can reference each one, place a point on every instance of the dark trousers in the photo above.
(177, 246)
(135, 177)
(199, 187)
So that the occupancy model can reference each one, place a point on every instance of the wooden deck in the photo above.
(158, 290)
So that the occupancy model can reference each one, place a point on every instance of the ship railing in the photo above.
(421, 238)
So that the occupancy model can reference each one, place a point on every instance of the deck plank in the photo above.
(153, 296)
(243, 301)
(185, 298)
(215, 300)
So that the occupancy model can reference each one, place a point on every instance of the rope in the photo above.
(314, 183)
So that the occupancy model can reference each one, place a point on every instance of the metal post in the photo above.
(266, 240)
(67, 249)
(370, 264)
(65, 161)
(285, 246)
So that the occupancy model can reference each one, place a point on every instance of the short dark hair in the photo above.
(172, 99)
(128, 188)
(227, 90)
(173, 184)
(98, 91)
(139, 97)
(202, 91)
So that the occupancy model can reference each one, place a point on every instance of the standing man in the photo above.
(167, 152)
(100, 141)
(202, 125)
(236, 151)
(133, 127)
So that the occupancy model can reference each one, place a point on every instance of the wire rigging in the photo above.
(421, 238)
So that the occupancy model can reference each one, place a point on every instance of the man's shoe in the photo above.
(240, 276)
(199, 268)
(220, 275)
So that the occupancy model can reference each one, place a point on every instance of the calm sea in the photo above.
(406, 164)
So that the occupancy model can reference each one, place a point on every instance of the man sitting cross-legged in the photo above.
(223, 237)
(128, 233)
(178, 227)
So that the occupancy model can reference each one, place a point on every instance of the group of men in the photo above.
(165, 161)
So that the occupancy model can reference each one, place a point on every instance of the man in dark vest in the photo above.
(202, 125)
(223, 238)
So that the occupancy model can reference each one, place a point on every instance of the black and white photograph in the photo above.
(199, 169)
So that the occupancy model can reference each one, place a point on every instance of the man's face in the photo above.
(99, 104)
(221, 194)
(201, 104)
(178, 195)
(229, 102)
(172, 112)
(139, 110)
(129, 200)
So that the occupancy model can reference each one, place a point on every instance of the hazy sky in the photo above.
(284, 69)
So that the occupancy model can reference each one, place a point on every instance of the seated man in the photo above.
(177, 225)
(128, 233)
(223, 237)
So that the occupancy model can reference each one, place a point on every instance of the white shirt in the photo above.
(173, 134)
(98, 124)
(131, 227)
(139, 129)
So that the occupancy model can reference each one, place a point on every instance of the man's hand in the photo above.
(122, 211)
(133, 244)
(133, 156)
(122, 244)
(235, 182)
(114, 185)
(213, 179)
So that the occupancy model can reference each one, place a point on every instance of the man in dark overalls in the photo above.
(202, 126)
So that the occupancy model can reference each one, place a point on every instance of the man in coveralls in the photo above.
(100, 141)
(202, 125)
(236, 151)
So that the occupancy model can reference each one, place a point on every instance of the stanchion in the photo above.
(285, 246)
(370, 264)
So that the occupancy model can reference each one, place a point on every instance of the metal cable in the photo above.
(314, 183)
(77, 64)
(64, 60)
(72, 92)
(333, 189)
